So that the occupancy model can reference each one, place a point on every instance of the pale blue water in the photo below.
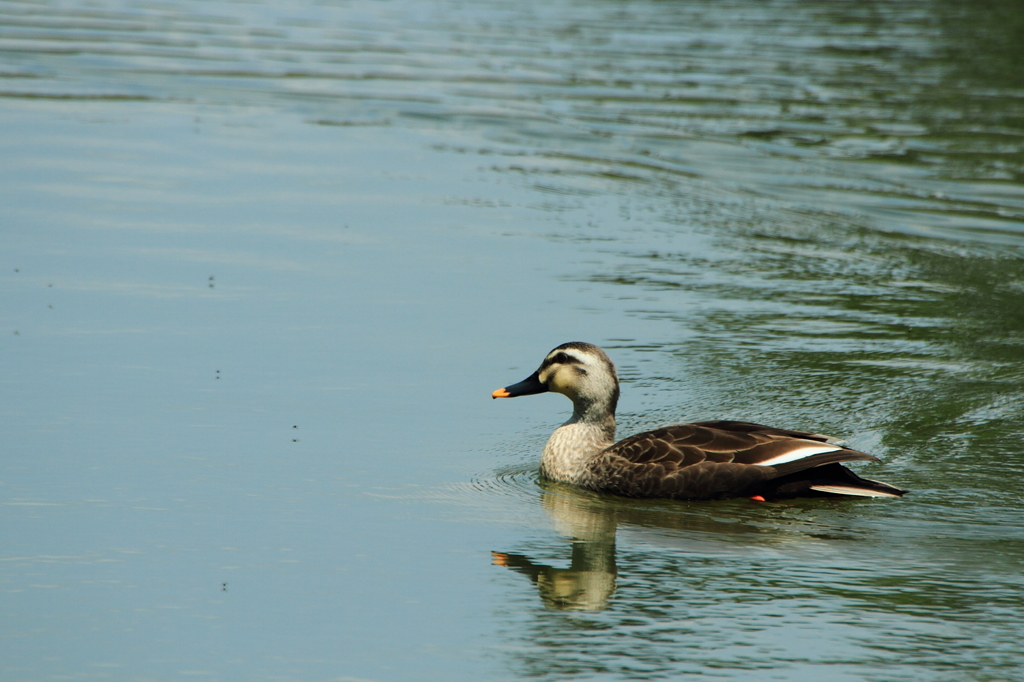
(261, 265)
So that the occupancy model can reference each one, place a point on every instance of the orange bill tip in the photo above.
(757, 498)
(501, 393)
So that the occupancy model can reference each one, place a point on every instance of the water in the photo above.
(263, 263)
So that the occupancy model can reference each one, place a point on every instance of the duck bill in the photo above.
(527, 386)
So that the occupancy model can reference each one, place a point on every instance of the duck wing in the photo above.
(722, 459)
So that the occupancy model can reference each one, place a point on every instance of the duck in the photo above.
(699, 461)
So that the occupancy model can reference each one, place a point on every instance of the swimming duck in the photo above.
(699, 461)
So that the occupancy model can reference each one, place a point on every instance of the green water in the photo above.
(262, 263)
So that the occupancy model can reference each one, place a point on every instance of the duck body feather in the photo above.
(698, 461)
(717, 459)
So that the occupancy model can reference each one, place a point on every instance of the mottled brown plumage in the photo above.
(704, 460)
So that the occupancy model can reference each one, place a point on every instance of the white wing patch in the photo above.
(799, 453)
(848, 490)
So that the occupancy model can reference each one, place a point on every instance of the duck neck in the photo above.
(594, 414)
(590, 430)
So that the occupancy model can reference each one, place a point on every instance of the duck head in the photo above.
(580, 371)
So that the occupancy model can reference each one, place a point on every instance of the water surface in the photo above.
(262, 264)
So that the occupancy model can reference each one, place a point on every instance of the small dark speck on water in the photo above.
(223, 587)
(217, 375)
(210, 280)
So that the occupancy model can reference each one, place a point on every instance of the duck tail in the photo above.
(829, 479)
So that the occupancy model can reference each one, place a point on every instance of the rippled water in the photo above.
(263, 263)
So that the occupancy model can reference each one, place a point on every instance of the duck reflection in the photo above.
(590, 521)
(586, 585)
(589, 581)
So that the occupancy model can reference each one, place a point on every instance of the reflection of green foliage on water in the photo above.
(705, 573)
(863, 277)
(928, 347)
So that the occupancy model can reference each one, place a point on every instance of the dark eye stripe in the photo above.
(561, 359)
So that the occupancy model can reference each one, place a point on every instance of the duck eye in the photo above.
(562, 359)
